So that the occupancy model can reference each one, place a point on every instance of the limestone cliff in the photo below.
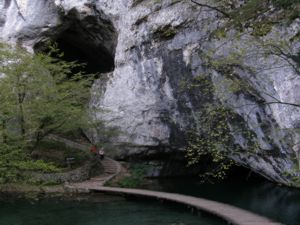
(149, 49)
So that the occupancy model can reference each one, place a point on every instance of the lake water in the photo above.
(98, 212)
(277, 202)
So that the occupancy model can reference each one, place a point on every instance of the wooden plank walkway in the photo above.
(112, 168)
(231, 214)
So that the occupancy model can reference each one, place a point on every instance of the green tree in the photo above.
(39, 94)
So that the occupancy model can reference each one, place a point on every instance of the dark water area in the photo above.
(279, 203)
(95, 211)
(260, 196)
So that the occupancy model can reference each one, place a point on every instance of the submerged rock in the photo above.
(151, 50)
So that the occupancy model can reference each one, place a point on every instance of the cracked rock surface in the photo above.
(155, 46)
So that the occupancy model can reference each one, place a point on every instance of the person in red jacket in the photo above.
(93, 150)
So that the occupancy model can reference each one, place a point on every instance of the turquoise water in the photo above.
(112, 212)
(277, 202)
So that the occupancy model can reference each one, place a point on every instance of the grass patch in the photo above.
(136, 178)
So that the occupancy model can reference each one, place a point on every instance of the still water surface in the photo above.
(111, 212)
(277, 202)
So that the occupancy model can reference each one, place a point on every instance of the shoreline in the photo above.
(29, 191)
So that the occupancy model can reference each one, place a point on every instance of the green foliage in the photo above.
(39, 95)
(259, 15)
(136, 2)
(213, 142)
(137, 173)
(165, 32)
(219, 33)
(105, 134)
(262, 29)
(285, 4)
(129, 182)
(14, 161)
(292, 175)
(250, 10)
(37, 165)
(57, 152)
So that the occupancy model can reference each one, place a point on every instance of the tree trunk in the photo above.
(22, 121)
(4, 135)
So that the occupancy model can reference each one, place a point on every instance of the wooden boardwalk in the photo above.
(231, 214)
(112, 168)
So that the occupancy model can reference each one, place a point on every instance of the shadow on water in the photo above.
(255, 194)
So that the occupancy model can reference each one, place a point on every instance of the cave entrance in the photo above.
(90, 40)
(243, 174)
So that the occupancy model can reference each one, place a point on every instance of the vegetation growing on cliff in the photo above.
(246, 13)
(212, 142)
(256, 20)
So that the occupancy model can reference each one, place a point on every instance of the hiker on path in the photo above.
(101, 153)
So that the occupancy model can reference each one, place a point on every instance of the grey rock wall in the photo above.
(156, 47)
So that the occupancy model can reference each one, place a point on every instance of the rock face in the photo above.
(152, 50)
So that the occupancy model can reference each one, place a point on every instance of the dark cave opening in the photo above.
(244, 174)
(90, 41)
(95, 59)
